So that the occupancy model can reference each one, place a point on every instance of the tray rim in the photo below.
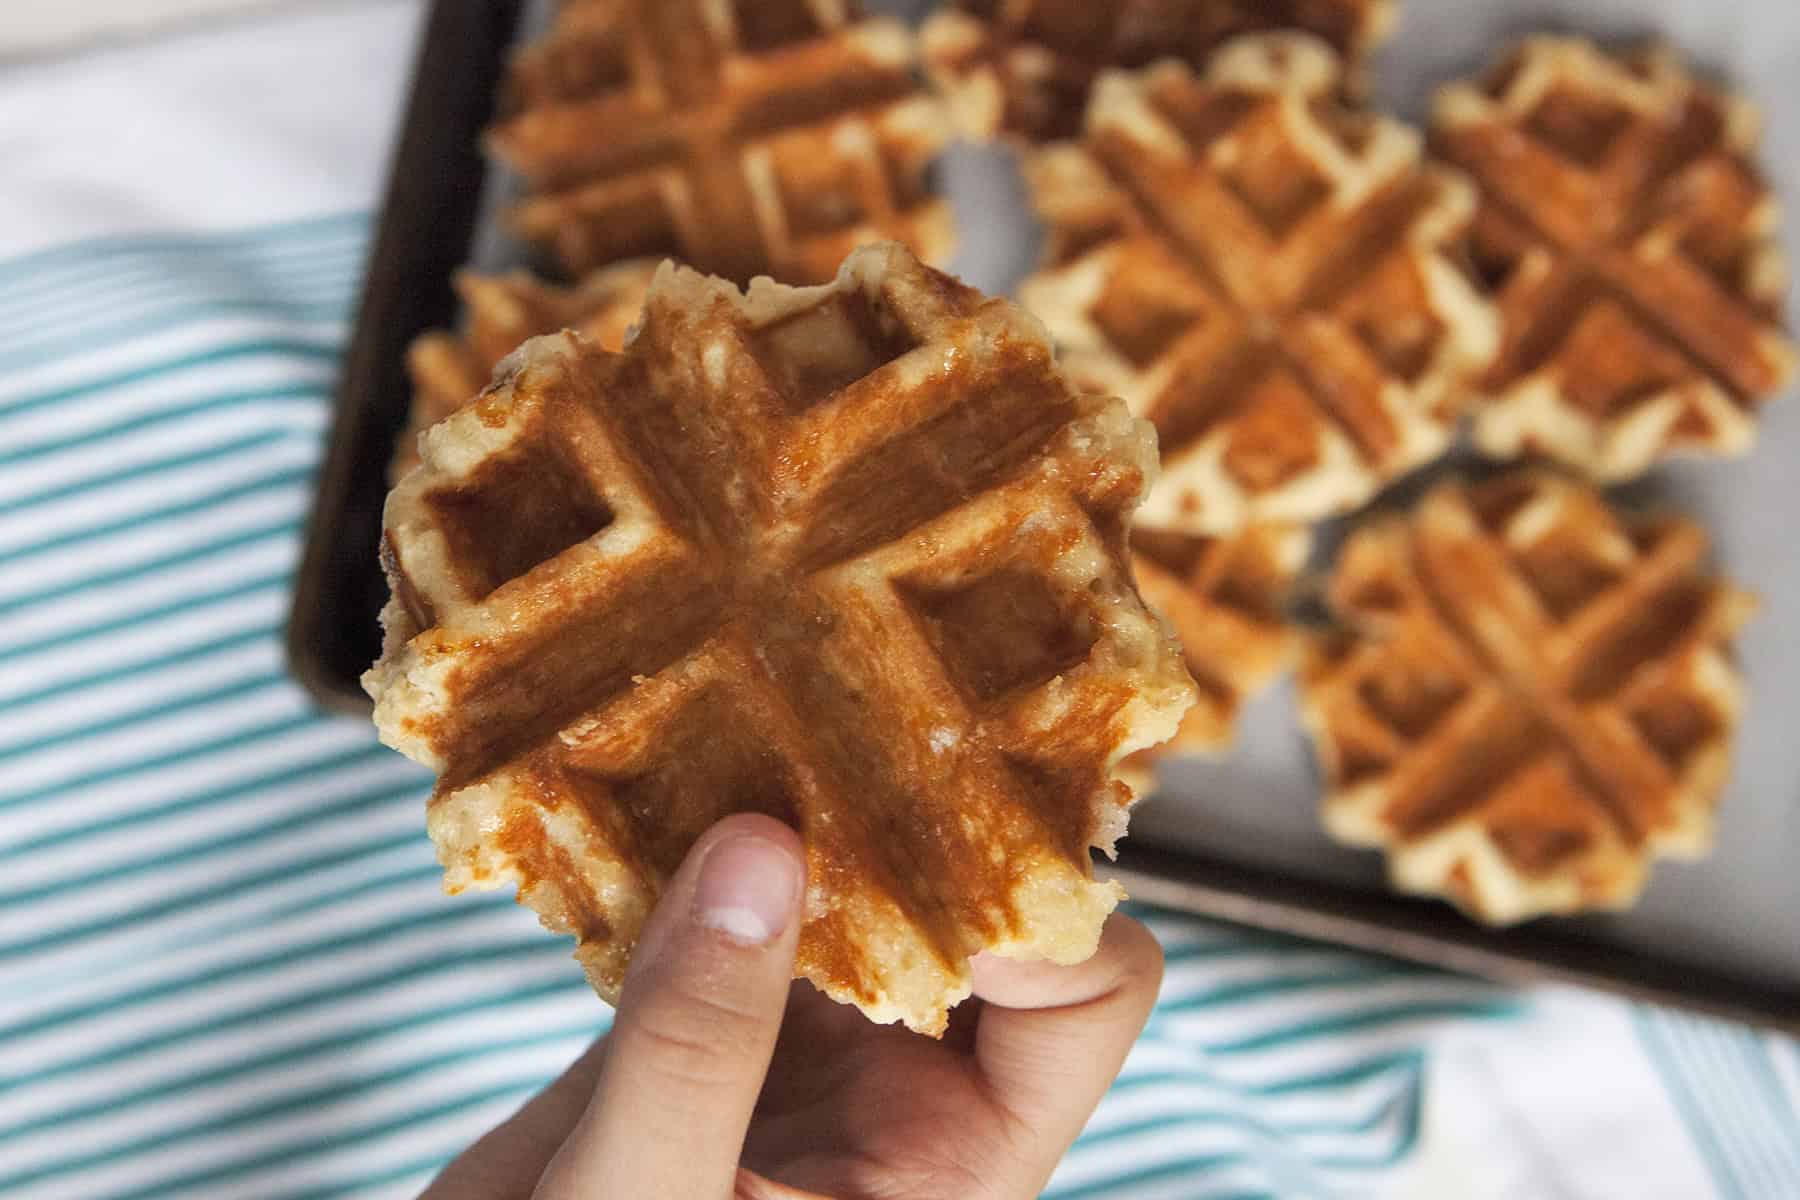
(1421, 931)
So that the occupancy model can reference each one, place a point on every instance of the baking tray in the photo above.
(1235, 838)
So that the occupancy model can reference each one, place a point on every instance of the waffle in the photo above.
(854, 556)
(1531, 697)
(746, 137)
(1628, 240)
(1264, 275)
(1024, 67)
(1225, 598)
(499, 312)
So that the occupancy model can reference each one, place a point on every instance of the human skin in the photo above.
(722, 1078)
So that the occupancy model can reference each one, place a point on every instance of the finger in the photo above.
(751, 1186)
(1051, 1038)
(697, 1022)
(506, 1163)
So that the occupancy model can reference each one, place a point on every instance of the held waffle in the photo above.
(745, 137)
(1024, 67)
(1531, 697)
(852, 555)
(499, 312)
(1264, 274)
(1629, 241)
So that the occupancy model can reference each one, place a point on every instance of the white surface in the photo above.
(98, 136)
(28, 27)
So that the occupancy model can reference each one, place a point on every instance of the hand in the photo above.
(721, 1080)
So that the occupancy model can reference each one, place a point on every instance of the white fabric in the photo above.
(37, 27)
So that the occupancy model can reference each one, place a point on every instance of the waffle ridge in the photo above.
(1025, 67)
(1629, 241)
(850, 555)
(1267, 275)
(744, 137)
(448, 370)
(1530, 696)
(1226, 599)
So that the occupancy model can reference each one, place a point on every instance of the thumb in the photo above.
(696, 1024)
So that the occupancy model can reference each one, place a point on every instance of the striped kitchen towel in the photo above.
(226, 968)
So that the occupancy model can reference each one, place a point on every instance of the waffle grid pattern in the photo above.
(744, 137)
(1263, 273)
(860, 513)
(1629, 241)
(1532, 697)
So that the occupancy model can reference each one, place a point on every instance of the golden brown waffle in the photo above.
(745, 137)
(1629, 241)
(851, 555)
(499, 312)
(1264, 275)
(1025, 67)
(1531, 698)
(1226, 599)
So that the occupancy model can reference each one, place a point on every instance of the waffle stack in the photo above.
(852, 556)
(760, 137)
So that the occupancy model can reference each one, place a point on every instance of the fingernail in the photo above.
(749, 890)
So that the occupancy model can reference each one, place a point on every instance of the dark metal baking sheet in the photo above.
(1236, 838)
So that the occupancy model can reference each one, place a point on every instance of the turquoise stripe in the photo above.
(63, 688)
(1405, 1101)
(1276, 1129)
(317, 1049)
(330, 307)
(267, 730)
(420, 1172)
(241, 789)
(1257, 989)
(113, 477)
(1216, 951)
(296, 276)
(293, 871)
(88, 250)
(271, 916)
(1776, 1099)
(434, 960)
(192, 854)
(267, 347)
(1194, 1166)
(154, 708)
(1721, 1066)
(1693, 1115)
(313, 1147)
(1395, 1014)
(1766, 1096)
(1334, 1079)
(145, 616)
(298, 1102)
(283, 477)
(186, 556)
(311, 391)
(369, 934)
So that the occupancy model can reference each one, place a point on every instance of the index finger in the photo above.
(1052, 1038)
